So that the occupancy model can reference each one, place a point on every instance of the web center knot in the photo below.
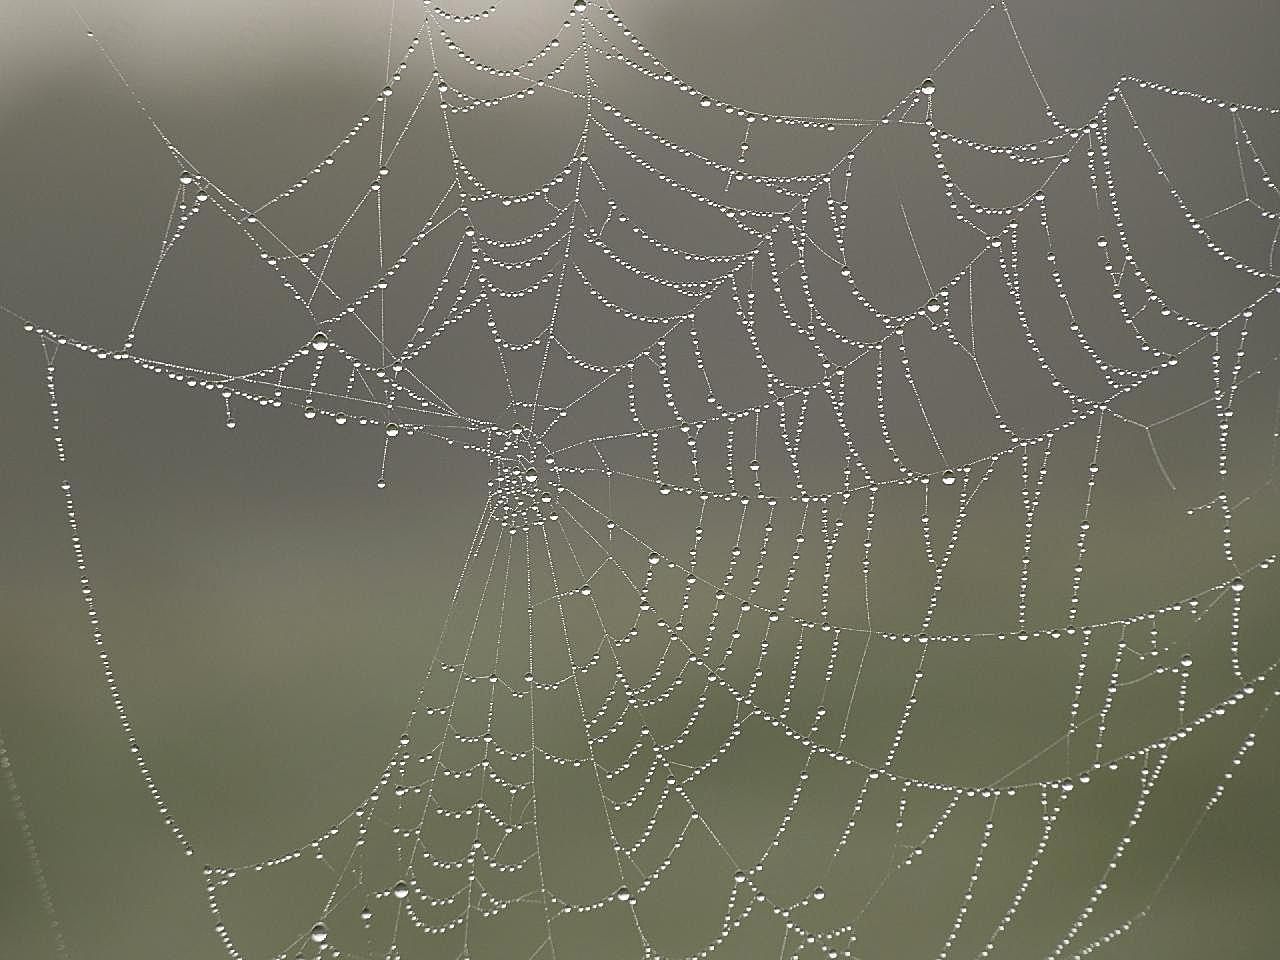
(523, 487)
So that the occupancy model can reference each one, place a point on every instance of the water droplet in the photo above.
(928, 87)
(320, 342)
(948, 477)
(623, 894)
(400, 890)
(393, 429)
(1237, 584)
(319, 933)
(366, 914)
(654, 559)
(739, 876)
(185, 177)
(934, 305)
(819, 893)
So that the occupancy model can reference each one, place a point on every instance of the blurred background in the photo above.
(271, 614)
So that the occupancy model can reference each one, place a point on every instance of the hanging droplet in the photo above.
(366, 914)
(393, 429)
(531, 475)
(928, 87)
(623, 894)
(934, 305)
(309, 413)
(319, 933)
(819, 893)
(579, 6)
(400, 890)
(948, 477)
(320, 342)
(739, 876)
(585, 590)
(654, 559)
(1237, 584)
(185, 177)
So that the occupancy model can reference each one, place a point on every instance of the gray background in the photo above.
(270, 612)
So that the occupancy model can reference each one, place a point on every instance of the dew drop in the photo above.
(949, 477)
(320, 342)
(319, 933)
(928, 87)
(400, 890)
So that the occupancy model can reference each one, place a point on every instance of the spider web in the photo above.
(756, 518)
